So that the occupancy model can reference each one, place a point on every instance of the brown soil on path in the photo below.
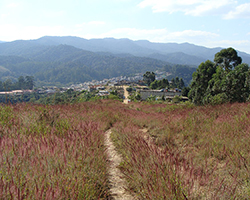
(126, 94)
(118, 183)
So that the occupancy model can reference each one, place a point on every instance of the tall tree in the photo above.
(236, 84)
(227, 58)
(148, 77)
(21, 83)
(225, 81)
(29, 82)
(8, 85)
(201, 78)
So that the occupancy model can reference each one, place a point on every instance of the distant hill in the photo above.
(179, 58)
(184, 53)
(73, 59)
(67, 64)
(141, 48)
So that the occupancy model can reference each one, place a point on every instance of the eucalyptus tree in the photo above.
(225, 80)
(227, 58)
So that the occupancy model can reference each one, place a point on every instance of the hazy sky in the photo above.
(211, 23)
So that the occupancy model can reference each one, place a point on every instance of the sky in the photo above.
(209, 23)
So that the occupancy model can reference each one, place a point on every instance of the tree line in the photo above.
(226, 79)
(23, 83)
(149, 79)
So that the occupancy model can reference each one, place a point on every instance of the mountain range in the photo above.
(73, 59)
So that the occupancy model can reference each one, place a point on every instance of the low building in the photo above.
(103, 93)
(158, 93)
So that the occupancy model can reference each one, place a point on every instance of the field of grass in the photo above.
(52, 152)
(169, 151)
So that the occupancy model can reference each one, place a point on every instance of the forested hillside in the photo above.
(183, 53)
(66, 64)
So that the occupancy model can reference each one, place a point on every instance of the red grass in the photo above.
(57, 152)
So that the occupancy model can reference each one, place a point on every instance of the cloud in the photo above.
(241, 11)
(189, 7)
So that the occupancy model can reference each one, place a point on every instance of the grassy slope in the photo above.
(52, 152)
(194, 152)
(199, 152)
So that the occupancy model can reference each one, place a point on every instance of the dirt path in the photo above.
(126, 94)
(118, 184)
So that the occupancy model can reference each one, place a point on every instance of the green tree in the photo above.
(1, 86)
(154, 85)
(164, 83)
(236, 84)
(225, 81)
(21, 83)
(227, 58)
(185, 91)
(181, 84)
(201, 78)
(148, 77)
(177, 83)
(8, 85)
(29, 82)
(159, 84)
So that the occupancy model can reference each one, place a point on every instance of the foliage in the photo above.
(224, 81)
(183, 71)
(181, 151)
(21, 84)
(177, 83)
(185, 91)
(200, 81)
(227, 58)
(52, 152)
(135, 96)
(148, 77)
(159, 84)
(176, 99)
(129, 89)
(169, 151)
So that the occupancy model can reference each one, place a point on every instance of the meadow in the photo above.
(169, 151)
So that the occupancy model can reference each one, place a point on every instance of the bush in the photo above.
(176, 99)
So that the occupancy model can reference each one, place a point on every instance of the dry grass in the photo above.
(58, 151)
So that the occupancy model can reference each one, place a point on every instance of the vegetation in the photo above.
(68, 97)
(169, 151)
(226, 80)
(52, 152)
(26, 83)
(148, 78)
(159, 84)
(164, 83)
(193, 152)
(65, 64)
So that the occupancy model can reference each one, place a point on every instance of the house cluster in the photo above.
(91, 85)
(161, 75)
(115, 81)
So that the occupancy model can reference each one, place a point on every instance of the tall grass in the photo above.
(204, 149)
(51, 152)
(183, 152)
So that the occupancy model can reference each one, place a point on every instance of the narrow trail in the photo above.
(126, 94)
(118, 183)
